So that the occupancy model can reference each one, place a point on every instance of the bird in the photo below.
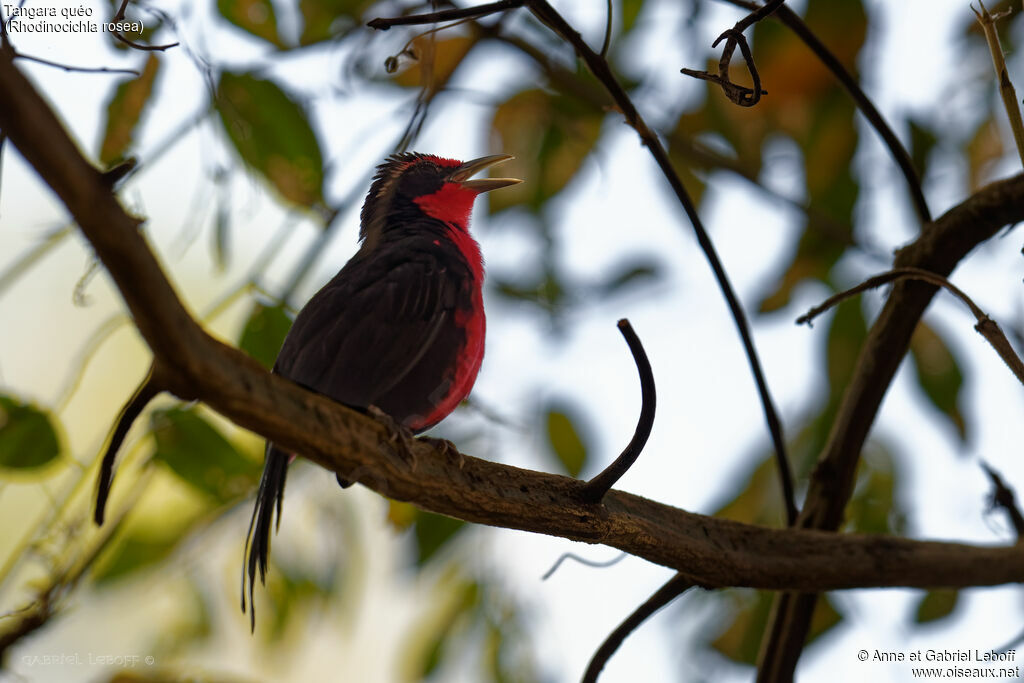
(400, 328)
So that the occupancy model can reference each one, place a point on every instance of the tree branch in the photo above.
(941, 246)
(707, 551)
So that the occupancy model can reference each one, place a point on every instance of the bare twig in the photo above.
(593, 491)
(738, 94)
(1002, 497)
(1006, 90)
(477, 12)
(896, 149)
(985, 326)
(119, 16)
(78, 69)
(675, 587)
(584, 561)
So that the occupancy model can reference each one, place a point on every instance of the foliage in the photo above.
(560, 123)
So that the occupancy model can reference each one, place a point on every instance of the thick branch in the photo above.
(708, 551)
(940, 247)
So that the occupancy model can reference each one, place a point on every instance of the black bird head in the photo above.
(410, 185)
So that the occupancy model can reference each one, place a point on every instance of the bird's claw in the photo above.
(400, 439)
(447, 449)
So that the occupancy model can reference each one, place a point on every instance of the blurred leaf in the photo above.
(441, 56)
(564, 439)
(876, 507)
(432, 532)
(629, 11)
(321, 18)
(200, 455)
(139, 549)
(222, 230)
(28, 438)
(938, 374)
(759, 499)
(125, 109)
(256, 17)
(551, 135)
(635, 272)
(936, 604)
(264, 333)
(983, 150)
(273, 136)
(442, 629)
(846, 334)
(401, 515)
(741, 640)
(922, 141)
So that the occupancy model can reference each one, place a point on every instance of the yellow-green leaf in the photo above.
(256, 17)
(936, 604)
(28, 438)
(200, 455)
(272, 134)
(550, 135)
(322, 19)
(741, 639)
(124, 110)
(264, 333)
(565, 440)
(938, 374)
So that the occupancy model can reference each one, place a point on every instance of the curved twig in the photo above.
(899, 153)
(986, 327)
(119, 16)
(593, 491)
(597, 564)
(738, 94)
(145, 393)
(675, 587)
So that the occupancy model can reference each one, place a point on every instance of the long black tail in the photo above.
(269, 497)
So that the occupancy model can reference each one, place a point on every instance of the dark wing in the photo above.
(364, 332)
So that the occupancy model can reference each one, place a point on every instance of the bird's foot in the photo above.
(447, 449)
(400, 439)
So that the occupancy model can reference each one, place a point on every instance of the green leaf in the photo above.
(551, 135)
(630, 10)
(273, 136)
(321, 18)
(138, 550)
(564, 439)
(28, 438)
(200, 455)
(256, 17)
(432, 533)
(741, 639)
(264, 333)
(759, 501)
(846, 334)
(124, 110)
(936, 604)
(876, 506)
(938, 374)
(630, 274)
(922, 141)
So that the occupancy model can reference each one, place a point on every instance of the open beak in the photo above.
(462, 174)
